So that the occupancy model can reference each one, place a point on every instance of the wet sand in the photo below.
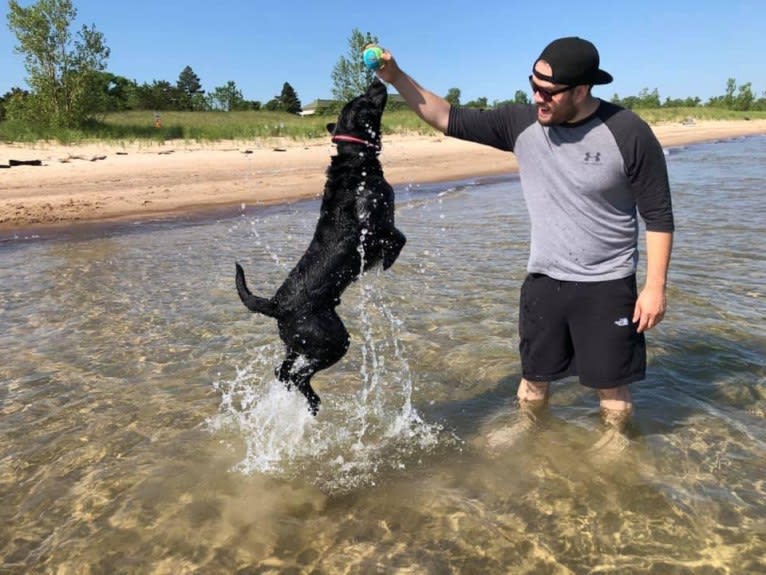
(98, 182)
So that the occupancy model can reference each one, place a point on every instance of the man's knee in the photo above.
(619, 394)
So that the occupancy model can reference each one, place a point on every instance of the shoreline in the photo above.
(98, 183)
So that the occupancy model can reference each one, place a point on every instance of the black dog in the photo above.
(355, 231)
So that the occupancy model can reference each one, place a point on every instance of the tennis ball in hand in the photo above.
(372, 56)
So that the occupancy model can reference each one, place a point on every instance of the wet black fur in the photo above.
(358, 204)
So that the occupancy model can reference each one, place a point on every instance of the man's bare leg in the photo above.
(616, 407)
(532, 392)
(532, 398)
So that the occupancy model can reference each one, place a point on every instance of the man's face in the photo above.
(552, 109)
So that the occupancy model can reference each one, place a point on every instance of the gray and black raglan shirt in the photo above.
(583, 183)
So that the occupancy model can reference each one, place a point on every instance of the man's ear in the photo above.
(581, 93)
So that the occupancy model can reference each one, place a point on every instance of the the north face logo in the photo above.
(592, 157)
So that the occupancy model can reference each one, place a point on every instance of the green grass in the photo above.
(662, 115)
(203, 126)
(218, 126)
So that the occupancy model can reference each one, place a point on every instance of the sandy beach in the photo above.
(104, 182)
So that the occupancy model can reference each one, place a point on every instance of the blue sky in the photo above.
(485, 49)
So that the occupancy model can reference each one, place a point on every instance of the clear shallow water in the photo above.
(141, 430)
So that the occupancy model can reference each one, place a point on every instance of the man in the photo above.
(587, 168)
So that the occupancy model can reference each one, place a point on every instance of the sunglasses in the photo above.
(546, 94)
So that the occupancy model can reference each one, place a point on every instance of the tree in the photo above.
(289, 99)
(629, 102)
(745, 97)
(227, 97)
(159, 95)
(647, 99)
(453, 96)
(728, 99)
(121, 92)
(189, 89)
(350, 77)
(477, 103)
(521, 97)
(11, 101)
(681, 102)
(273, 105)
(113, 91)
(62, 68)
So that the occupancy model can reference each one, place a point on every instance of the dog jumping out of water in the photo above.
(355, 232)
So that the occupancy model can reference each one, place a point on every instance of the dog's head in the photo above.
(359, 120)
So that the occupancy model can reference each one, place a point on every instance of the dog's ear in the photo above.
(377, 93)
(331, 127)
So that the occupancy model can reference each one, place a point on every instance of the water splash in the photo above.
(366, 426)
(271, 420)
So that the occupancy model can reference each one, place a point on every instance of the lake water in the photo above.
(142, 431)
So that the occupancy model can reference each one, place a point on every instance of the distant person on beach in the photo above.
(587, 168)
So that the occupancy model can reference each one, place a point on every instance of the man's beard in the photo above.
(564, 113)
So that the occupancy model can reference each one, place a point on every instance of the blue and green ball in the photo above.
(372, 56)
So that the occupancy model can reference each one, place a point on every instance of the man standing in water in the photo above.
(587, 168)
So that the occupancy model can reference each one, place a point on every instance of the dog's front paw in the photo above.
(392, 247)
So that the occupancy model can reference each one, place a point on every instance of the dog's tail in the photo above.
(253, 302)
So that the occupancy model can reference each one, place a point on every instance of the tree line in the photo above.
(737, 97)
(70, 85)
(112, 93)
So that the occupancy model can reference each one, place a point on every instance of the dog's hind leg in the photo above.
(320, 341)
(299, 378)
(283, 371)
(302, 381)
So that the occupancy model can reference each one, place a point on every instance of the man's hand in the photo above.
(389, 70)
(650, 305)
(650, 308)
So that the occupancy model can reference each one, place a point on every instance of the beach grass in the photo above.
(664, 115)
(253, 125)
(201, 126)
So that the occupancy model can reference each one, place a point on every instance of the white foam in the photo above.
(356, 435)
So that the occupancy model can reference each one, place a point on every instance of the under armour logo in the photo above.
(592, 157)
(622, 322)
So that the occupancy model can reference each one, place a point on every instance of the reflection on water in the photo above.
(142, 430)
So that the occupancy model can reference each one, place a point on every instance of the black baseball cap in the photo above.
(574, 62)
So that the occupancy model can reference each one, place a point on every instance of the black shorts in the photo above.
(580, 328)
